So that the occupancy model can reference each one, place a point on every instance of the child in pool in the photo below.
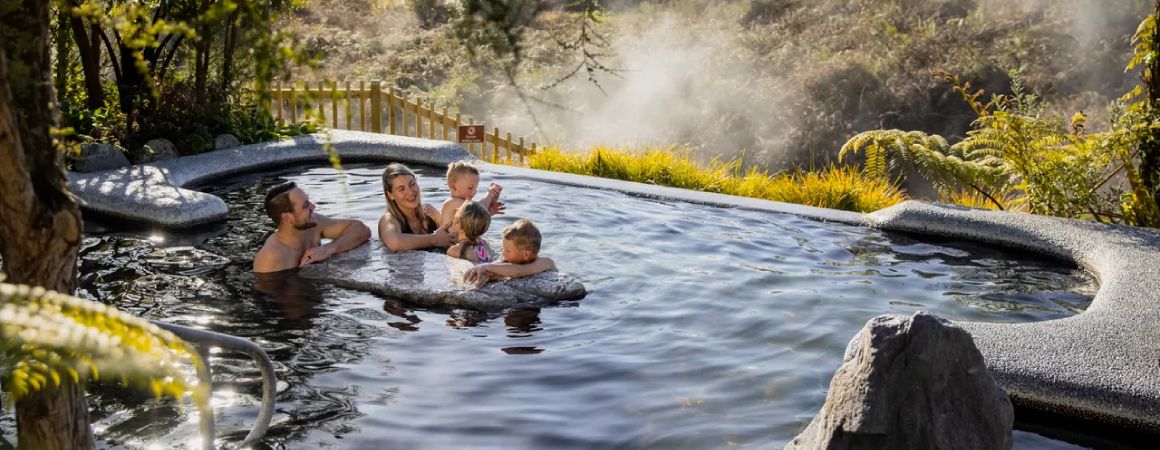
(521, 250)
(463, 181)
(471, 221)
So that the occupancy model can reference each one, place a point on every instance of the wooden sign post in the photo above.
(470, 134)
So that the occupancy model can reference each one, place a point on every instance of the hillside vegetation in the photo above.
(777, 83)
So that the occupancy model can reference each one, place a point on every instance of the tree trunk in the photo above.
(231, 43)
(89, 46)
(201, 65)
(131, 84)
(39, 220)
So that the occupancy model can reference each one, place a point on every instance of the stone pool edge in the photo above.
(156, 193)
(1101, 365)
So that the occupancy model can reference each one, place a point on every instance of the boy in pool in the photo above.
(463, 181)
(470, 223)
(521, 250)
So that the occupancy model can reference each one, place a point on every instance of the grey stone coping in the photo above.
(155, 193)
(1102, 365)
(438, 281)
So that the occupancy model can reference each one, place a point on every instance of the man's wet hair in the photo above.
(278, 201)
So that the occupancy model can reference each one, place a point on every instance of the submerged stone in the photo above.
(435, 279)
(914, 382)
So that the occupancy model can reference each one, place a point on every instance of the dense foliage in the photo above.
(1019, 157)
(130, 71)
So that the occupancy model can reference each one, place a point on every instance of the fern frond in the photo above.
(46, 336)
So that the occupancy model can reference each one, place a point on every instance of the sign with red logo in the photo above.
(470, 134)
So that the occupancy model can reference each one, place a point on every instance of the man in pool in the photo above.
(297, 241)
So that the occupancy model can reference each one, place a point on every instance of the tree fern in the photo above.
(46, 336)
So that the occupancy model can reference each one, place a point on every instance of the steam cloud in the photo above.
(689, 81)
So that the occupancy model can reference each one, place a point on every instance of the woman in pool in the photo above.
(408, 223)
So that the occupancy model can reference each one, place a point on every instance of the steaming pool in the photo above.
(704, 327)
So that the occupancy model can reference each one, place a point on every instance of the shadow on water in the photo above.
(1080, 433)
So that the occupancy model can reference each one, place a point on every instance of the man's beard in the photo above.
(308, 224)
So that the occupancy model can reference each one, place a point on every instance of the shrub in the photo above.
(846, 188)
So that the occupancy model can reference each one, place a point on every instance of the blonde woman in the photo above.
(408, 223)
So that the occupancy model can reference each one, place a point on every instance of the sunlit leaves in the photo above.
(46, 336)
(1017, 156)
(847, 188)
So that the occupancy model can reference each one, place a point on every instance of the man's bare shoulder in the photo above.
(274, 256)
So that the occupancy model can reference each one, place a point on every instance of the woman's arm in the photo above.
(396, 241)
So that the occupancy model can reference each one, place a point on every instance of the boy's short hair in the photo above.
(473, 219)
(278, 201)
(524, 235)
(460, 168)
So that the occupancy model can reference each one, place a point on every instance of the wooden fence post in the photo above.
(443, 119)
(376, 106)
(279, 97)
(495, 145)
(522, 151)
(391, 110)
(403, 113)
(362, 106)
(458, 121)
(293, 105)
(348, 107)
(305, 101)
(334, 105)
(508, 149)
(418, 118)
(431, 120)
(471, 147)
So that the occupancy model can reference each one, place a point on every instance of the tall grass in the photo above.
(846, 188)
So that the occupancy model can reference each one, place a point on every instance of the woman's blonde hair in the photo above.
(473, 220)
(395, 170)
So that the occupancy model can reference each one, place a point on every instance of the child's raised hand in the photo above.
(494, 190)
(496, 207)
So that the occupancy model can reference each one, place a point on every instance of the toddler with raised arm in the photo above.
(471, 221)
(463, 182)
(521, 250)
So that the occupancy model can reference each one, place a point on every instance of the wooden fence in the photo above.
(370, 107)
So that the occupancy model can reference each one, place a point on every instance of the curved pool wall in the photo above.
(1101, 365)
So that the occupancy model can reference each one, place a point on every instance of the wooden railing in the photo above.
(376, 108)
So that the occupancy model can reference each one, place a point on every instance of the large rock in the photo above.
(155, 150)
(98, 157)
(224, 141)
(914, 382)
(435, 279)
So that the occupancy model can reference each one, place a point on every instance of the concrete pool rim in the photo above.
(1101, 365)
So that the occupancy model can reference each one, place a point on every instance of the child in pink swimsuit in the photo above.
(471, 221)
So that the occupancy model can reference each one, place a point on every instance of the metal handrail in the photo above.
(205, 339)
